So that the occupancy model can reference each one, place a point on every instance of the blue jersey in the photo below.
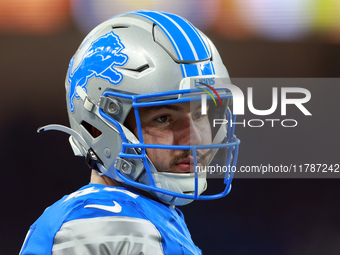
(99, 219)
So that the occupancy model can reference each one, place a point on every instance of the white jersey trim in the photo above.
(116, 234)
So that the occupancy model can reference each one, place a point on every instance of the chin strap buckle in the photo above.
(92, 160)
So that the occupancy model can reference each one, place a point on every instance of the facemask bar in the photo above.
(232, 142)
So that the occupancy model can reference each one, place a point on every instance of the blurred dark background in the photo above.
(260, 215)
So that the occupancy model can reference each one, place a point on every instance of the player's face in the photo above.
(175, 124)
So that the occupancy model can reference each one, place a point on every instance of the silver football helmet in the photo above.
(145, 59)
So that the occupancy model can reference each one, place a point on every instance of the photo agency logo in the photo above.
(211, 86)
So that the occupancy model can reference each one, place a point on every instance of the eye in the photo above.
(196, 115)
(163, 119)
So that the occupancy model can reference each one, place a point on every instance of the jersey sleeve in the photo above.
(117, 235)
(95, 220)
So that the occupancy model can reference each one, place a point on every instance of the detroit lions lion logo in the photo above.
(98, 61)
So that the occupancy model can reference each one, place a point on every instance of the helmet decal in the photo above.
(98, 61)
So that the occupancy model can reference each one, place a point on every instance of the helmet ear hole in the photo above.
(94, 132)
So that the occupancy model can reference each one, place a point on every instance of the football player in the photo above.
(136, 93)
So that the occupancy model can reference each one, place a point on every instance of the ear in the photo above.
(130, 123)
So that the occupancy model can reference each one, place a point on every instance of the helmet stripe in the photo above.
(193, 34)
(186, 40)
(189, 46)
(197, 70)
(164, 30)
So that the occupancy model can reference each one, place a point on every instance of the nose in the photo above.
(189, 133)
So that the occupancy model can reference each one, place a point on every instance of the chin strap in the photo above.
(91, 158)
(66, 130)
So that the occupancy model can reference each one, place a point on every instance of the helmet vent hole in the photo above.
(94, 132)
(143, 68)
(120, 26)
(138, 69)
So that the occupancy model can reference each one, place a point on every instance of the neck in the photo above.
(105, 180)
